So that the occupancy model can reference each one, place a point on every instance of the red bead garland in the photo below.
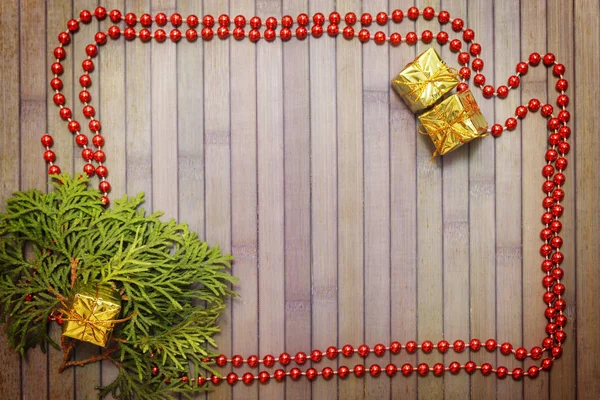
(556, 163)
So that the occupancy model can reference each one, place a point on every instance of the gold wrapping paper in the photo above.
(91, 312)
(453, 122)
(425, 80)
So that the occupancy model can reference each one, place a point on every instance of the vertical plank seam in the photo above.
(258, 244)
(337, 195)
(20, 167)
(390, 204)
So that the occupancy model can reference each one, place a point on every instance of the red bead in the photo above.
(427, 346)
(558, 69)
(413, 13)
(335, 18)
(534, 59)
(224, 20)
(475, 49)
(475, 344)
(443, 346)
(87, 65)
(545, 234)
(316, 355)
(545, 250)
(562, 85)
(88, 155)
(479, 79)
(269, 35)
(253, 35)
(442, 38)
(395, 39)
(556, 226)
(428, 13)
(468, 35)
(319, 19)
(533, 371)
(379, 37)
(363, 350)
(252, 361)
(311, 374)
(47, 140)
(366, 19)
(95, 125)
(454, 367)
(514, 81)
(395, 347)
(155, 370)
(302, 19)
(550, 312)
(444, 17)
(207, 34)
(359, 370)
(549, 297)
(160, 35)
(551, 155)
(350, 18)
(175, 35)
(89, 169)
(551, 329)
(364, 35)
(100, 13)
(49, 156)
(65, 113)
(375, 370)
(221, 360)
(486, 369)
(101, 170)
(522, 68)
(458, 346)
(391, 370)
(561, 336)
(73, 25)
(248, 378)
(237, 361)
(343, 372)
(215, 380)
(161, 19)
(208, 21)
(423, 369)
(332, 30)
(521, 353)
(85, 81)
(56, 84)
(564, 116)
(501, 372)
(457, 24)
(81, 140)
(455, 45)
(549, 59)
(463, 58)
(268, 360)
(547, 364)
(477, 64)
(382, 18)
(145, 35)
(146, 20)
(238, 33)
(85, 16)
(506, 348)
(488, 91)
(285, 359)
(240, 21)
(548, 202)
(300, 358)
(232, 378)
(59, 99)
(348, 32)
(379, 350)
(223, 32)
(397, 16)
(536, 353)
(60, 53)
(327, 373)
(407, 369)
(470, 367)
(411, 346)
(301, 33)
(427, 36)
(490, 345)
(99, 156)
(115, 16)
(502, 92)
(517, 374)
(411, 38)
(100, 38)
(129, 33)
(521, 110)
(89, 111)
(131, 20)
(279, 375)
(98, 140)
(438, 369)
(104, 187)
(263, 377)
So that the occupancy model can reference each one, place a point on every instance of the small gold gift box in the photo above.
(425, 80)
(91, 313)
(453, 122)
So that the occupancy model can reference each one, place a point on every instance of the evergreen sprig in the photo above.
(173, 286)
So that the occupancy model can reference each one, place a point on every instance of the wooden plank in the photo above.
(138, 104)
(481, 212)
(217, 166)
(533, 145)
(164, 123)
(350, 200)
(57, 14)
(587, 165)
(509, 264)
(376, 139)
(269, 118)
(455, 214)
(403, 181)
(430, 260)
(302, 98)
(563, 380)
(34, 371)
(10, 373)
(324, 202)
(244, 198)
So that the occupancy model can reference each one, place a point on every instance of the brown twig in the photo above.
(67, 351)
(74, 264)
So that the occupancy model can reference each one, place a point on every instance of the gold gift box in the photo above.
(453, 122)
(425, 80)
(91, 313)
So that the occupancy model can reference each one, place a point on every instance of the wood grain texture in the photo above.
(301, 161)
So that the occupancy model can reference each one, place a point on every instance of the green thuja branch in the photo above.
(161, 270)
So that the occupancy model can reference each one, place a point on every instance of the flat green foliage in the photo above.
(173, 284)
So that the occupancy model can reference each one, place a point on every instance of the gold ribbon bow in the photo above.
(441, 75)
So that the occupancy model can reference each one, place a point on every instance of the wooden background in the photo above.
(300, 160)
